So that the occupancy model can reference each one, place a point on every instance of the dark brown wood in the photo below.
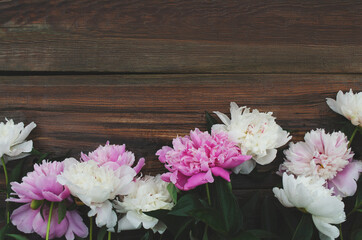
(78, 113)
(181, 36)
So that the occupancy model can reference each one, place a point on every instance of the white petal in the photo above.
(328, 207)
(245, 168)
(225, 119)
(105, 215)
(20, 148)
(268, 158)
(25, 132)
(125, 224)
(325, 228)
(283, 199)
(160, 227)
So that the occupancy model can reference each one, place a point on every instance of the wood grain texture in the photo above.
(78, 113)
(181, 36)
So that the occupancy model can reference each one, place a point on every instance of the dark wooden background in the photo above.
(143, 72)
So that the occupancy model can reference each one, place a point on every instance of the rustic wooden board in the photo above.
(78, 113)
(181, 36)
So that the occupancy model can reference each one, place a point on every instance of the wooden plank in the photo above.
(78, 113)
(181, 36)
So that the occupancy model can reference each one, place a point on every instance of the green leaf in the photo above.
(262, 233)
(62, 211)
(250, 207)
(3, 231)
(42, 211)
(269, 215)
(183, 227)
(173, 223)
(101, 233)
(357, 235)
(359, 194)
(304, 230)
(17, 236)
(210, 120)
(210, 217)
(15, 173)
(205, 237)
(245, 236)
(171, 188)
(185, 204)
(228, 206)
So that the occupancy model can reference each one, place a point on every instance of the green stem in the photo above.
(352, 136)
(7, 192)
(209, 201)
(90, 228)
(49, 219)
(340, 231)
(208, 194)
(109, 235)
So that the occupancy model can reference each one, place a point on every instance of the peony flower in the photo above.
(194, 159)
(28, 220)
(325, 156)
(149, 194)
(257, 134)
(348, 105)
(96, 186)
(12, 140)
(311, 196)
(113, 156)
(41, 184)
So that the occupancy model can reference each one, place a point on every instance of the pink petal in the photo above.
(23, 218)
(76, 226)
(220, 172)
(56, 230)
(166, 177)
(139, 165)
(236, 161)
(344, 183)
(197, 180)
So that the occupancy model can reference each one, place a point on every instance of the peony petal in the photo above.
(344, 183)
(20, 148)
(198, 179)
(325, 228)
(25, 133)
(139, 165)
(268, 158)
(160, 227)
(245, 168)
(283, 199)
(23, 218)
(105, 215)
(76, 226)
(220, 172)
(225, 119)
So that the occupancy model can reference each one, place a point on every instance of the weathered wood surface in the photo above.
(78, 113)
(181, 36)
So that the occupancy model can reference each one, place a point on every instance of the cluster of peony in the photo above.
(320, 171)
(237, 145)
(317, 174)
(103, 180)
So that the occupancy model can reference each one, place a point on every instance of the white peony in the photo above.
(310, 195)
(12, 140)
(97, 186)
(149, 194)
(257, 134)
(348, 105)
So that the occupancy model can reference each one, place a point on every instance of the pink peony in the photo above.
(41, 184)
(194, 159)
(325, 156)
(113, 156)
(28, 220)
